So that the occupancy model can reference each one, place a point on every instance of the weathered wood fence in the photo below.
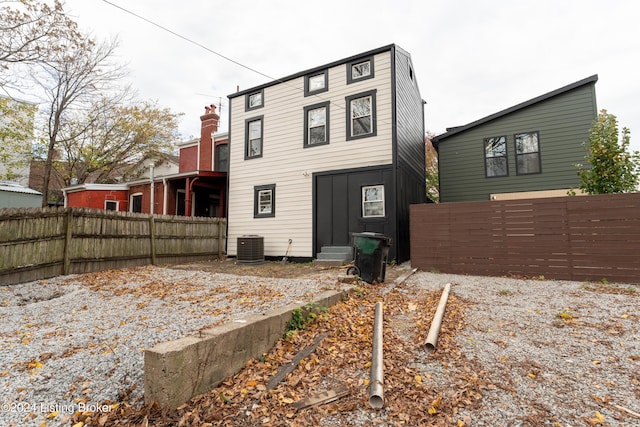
(39, 243)
(572, 238)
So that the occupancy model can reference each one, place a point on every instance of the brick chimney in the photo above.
(209, 125)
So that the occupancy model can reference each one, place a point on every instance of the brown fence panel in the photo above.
(571, 238)
(39, 243)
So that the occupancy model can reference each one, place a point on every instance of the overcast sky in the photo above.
(472, 58)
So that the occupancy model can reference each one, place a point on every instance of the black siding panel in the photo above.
(410, 150)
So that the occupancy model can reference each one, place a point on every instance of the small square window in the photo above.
(373, 201)
(253, 138)
(495, 156)
(360, 69)
(527, 153)
(361, 115)
(315, 83)
(111, 205)
(316, 124)
(254, 100)
(264, 205)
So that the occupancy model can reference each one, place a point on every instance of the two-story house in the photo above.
(327, 152)
(197, 186)
(528, 150)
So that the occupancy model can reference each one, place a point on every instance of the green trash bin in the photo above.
(371, 252)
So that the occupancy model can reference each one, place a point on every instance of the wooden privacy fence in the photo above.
(571, 238)
(38, 243)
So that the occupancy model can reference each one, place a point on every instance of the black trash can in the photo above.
(371, 252)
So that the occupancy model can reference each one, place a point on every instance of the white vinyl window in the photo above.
(317, 82)
(316, 124)
(253, 141)
(254, 100)
(360, 70)
(373, 201)
(361, 118)
(265, 201)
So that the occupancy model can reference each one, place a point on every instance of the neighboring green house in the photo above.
(528, 150)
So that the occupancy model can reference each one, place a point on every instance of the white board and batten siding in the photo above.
(287, 164)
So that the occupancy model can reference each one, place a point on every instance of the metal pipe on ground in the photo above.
(436, 323)
(376, 392)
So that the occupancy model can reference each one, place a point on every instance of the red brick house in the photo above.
(197, 189)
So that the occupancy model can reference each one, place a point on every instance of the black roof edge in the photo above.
(457, 129)
(311, 70)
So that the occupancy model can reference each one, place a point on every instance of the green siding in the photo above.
(563, 123)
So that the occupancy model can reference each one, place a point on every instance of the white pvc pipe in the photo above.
(434, 330)
(376, 392)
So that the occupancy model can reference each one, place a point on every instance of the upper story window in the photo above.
(361, 115)
(222, 157)
(373, 201)
(315, 83)
(264, 202)
(253, 138)
(495, 156)
(527, 153)
(254, 100)
(316, 124)
(360, 69)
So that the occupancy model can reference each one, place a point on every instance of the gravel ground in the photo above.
(554, 352)
(71, 343)
(549, 352)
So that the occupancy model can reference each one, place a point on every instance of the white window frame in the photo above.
(249, 140)
(307, 124)
(268, 209)
(131, 202)
(251, 100)
(366, 204)
(352, 118)
(117, 203)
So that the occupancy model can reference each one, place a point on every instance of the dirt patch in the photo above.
(275, 269)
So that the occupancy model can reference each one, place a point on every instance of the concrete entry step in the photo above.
(334, 255)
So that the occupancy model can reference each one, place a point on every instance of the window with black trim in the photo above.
(316, 124)
(264, 203)
(316, 83)
(253, 138)
(360, 69)
(254, 100)
(361, 115)
(495, 156)
(373, 201)
(527, 153)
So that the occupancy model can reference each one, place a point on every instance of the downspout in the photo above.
(165, 194)
(376, 392)
(434, 330)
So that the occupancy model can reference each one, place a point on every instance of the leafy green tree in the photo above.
(612, 168)
(113, 143)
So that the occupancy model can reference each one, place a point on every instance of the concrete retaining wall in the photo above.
(176, 371)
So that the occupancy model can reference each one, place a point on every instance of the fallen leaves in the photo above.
(337, 370)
